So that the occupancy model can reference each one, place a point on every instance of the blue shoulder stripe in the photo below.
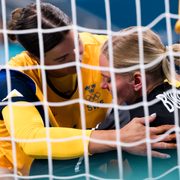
(18, 73)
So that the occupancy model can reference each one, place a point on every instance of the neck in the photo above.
(150, 88)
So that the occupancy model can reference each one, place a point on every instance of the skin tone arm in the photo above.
(133, 132)
(6, 171)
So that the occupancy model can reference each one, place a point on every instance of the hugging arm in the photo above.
(133, 132)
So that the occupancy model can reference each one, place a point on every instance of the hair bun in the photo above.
(12, 23)
(16, 14)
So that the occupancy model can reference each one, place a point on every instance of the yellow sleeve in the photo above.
(28, 125)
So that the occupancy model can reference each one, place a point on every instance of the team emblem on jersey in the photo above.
(93, 96)
(90, 88)
(13, 93)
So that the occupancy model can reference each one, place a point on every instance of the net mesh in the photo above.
(108, 31)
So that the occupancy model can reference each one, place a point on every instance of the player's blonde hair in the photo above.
(126, 53)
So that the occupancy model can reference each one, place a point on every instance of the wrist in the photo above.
(123, 139)
(103, 146)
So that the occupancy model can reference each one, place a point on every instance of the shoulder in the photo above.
(22, 60)
(17, 86)
(17, 78)
(159, 90)
(92, 39)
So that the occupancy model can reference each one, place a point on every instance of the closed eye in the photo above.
(61, 59)
(108, 79)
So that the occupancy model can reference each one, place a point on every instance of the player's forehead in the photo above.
(64, 48)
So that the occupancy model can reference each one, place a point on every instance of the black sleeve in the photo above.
(109, 122)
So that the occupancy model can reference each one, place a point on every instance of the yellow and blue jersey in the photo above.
(64, 121)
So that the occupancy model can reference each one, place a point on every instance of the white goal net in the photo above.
(106, 23)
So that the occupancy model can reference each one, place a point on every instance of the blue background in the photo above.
(91, 14)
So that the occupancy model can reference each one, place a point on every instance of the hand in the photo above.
(136, 131)
(6, 171)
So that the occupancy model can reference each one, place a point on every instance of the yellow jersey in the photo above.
(65, 119)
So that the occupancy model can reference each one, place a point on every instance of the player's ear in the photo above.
(137, 81)
(33, 57)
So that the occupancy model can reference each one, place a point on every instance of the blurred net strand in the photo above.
(44, 85)
(82, 110)
(109, 32)
(45, 67)
(164, 174)
(169, 34)
(144, 98)
(69, 177)
(101, 141)
(40, 31)
(121, 107)
(9, 89)
(80, 28)
(69, 64)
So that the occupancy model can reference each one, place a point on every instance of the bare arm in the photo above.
(6, 171)
(133, 132)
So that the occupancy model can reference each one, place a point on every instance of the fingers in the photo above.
(163, 145)
(161, 129)
(152, 117)
(172, 137)
(171, 145)
(160, 155)
(169, 137)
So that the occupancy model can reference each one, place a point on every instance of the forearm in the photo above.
(28, 125)
(133, 132)
(64, 143)
(107, 140)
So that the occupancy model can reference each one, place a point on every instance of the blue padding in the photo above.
(18, 73)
